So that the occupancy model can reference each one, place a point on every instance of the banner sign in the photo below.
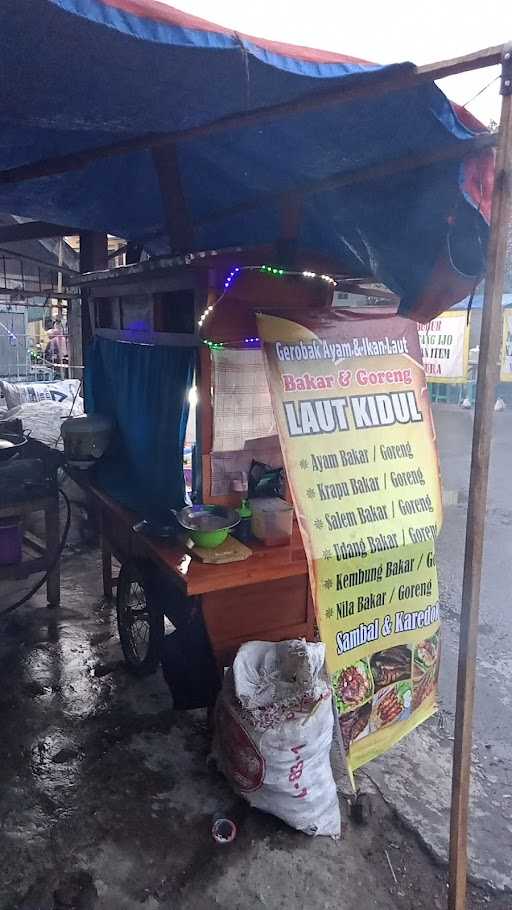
(354, 421)
(445, 347)
(506, 350)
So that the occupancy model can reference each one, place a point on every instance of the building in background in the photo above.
(31, 282)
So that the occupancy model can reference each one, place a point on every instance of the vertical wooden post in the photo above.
(288, 240)
(75, 339)
(488, 375)
(204, 420)
(93, 257)
(179, 224)
(52, 534)
(106, 567)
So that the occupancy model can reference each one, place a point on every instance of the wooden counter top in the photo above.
(195, 577)
(265, 564)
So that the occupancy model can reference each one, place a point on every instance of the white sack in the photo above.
(29, 392)
(273, 733)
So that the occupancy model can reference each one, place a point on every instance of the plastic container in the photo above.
(11, 539)
(272, 521)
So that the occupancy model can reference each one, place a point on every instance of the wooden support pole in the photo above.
(175, 206)
(52, 545)
(288, 241)
(488, 375)
(93, 257)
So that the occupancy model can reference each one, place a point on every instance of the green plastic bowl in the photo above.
(209, 539)
(207, 525)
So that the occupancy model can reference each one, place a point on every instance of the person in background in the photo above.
(56, 351)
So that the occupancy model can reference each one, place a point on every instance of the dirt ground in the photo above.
(106, 797)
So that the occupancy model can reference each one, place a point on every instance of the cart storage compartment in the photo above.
(276, 610)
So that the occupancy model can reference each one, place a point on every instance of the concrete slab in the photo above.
(106, 799)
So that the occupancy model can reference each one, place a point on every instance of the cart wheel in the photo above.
(140, 620)
(361, 809)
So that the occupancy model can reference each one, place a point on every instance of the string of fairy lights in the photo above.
(274, 271)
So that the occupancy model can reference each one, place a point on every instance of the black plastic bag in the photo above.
(265, 481)
(188, 663)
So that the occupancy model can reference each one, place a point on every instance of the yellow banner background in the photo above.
(506, 349)
(445, 347)
(358, 444)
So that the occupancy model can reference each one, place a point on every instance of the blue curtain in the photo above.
(145, 389)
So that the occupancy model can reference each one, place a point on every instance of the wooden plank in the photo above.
(454, 152)
(490, 56)
(231, 550)
(111, 285)
(179, 225)
(488, 375)
(225, 652)
(375, 85)
(265, 565)
(34, 230)
(251, 611)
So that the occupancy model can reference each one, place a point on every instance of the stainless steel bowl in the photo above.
(206, 518)
(208, 526)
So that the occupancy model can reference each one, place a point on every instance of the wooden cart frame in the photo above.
(231, 595)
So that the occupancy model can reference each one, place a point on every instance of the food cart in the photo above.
(266, 595)
(208, 151)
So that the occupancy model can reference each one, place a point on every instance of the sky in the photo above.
(422, 31)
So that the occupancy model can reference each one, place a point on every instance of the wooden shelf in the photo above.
(45, 549)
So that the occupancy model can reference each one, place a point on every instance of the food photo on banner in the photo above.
(444, 345)
(353, 415)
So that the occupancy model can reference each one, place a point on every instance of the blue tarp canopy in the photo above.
(82, 74)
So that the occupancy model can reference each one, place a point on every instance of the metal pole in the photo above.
(488, 375)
